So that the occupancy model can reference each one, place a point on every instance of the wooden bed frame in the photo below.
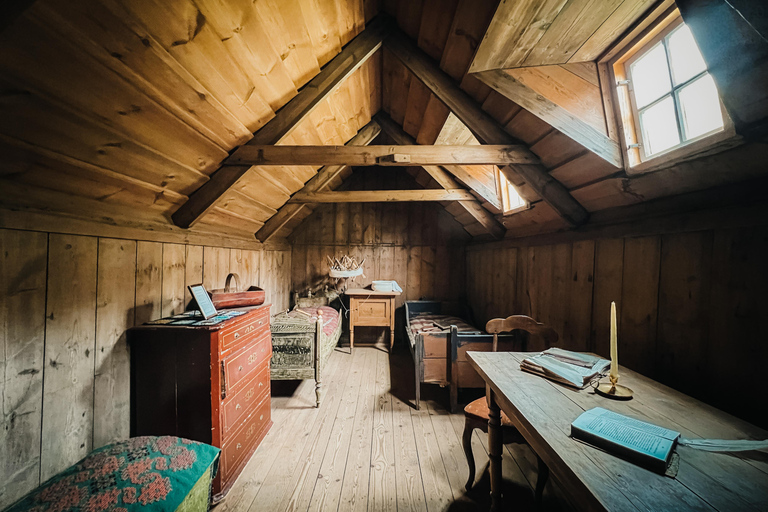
(300, 349)
(441, 357)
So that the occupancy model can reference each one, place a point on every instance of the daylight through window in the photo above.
(671, 97)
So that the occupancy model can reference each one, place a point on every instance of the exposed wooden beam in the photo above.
(461, 172)
(383, 196)
(553, 114)
(402, 156)
(329, 79)
(318, 183)
(485, 128)
(444, 179)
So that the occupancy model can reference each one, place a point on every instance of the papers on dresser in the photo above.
(571, 368)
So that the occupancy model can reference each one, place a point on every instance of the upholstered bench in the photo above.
(162, 474)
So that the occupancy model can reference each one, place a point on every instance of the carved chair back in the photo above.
(521, 323)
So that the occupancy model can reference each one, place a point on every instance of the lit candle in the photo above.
(614, 352)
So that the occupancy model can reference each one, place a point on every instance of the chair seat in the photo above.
(478, 409)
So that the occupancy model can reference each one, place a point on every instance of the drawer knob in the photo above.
(237, 335)
(239, 368)
(261, 322)
(261, 417)
(239, 446)
(237, 407)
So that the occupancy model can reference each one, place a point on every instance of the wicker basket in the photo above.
(229, 297)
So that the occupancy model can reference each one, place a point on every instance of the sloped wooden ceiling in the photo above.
(530, 33)
(116, 110)
(112, 112)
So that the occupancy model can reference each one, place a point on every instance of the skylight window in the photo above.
(510, 198)
(667, 97)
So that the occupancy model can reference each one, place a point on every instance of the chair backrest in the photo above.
(522, 323)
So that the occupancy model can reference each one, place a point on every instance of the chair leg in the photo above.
(467, 443)
(318, 387)
(541, 481)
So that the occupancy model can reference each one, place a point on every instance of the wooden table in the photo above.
(595, 480)
(371, 308)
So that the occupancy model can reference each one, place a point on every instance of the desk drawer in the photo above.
(253, 326)
(245, 438)
(240, 365)
(242, 403)
(372, 312)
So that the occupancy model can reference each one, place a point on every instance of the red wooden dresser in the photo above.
(206, 383)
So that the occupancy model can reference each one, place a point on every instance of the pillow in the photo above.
(142, 473)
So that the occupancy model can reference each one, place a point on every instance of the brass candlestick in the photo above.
(611, 389)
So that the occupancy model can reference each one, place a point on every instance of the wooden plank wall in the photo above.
(66, 303)
(419, 245)
(691, 305)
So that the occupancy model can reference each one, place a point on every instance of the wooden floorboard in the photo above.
(366, 447)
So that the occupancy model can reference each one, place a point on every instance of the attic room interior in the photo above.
(423, 255)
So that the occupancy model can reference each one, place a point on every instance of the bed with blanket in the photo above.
(302, 341)
(440, 334)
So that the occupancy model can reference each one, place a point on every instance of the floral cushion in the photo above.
(143, 473)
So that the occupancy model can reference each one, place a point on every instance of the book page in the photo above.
(636, 435)
(574, 374)
(643, 426)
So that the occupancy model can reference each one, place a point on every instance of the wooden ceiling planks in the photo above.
(66, 75)
(538, 33)
(137, 100)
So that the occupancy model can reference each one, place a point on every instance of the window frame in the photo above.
(620, 104)
(504, 195)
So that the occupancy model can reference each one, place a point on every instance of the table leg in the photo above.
(352, 306)
(391, 324)
(494, 451)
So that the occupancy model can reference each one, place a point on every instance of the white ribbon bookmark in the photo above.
(724, 445)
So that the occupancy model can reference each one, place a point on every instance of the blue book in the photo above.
(643, 443)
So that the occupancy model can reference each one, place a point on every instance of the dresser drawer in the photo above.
(243, 403)
(245, 438)
(372, 312)
(239, 365)
(254, 325)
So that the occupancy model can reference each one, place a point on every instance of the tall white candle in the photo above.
(614, 350)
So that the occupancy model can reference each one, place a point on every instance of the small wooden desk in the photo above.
(371, 308)
(595, 480)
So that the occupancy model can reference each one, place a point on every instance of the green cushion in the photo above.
(143, 473)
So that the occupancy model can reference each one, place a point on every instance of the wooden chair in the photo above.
(476, 414)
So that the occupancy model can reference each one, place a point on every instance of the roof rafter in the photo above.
(403, 155)
(383, 196)
(318, 183)
(553, 114)
(485, 128)
(444, 179)
(328, 80)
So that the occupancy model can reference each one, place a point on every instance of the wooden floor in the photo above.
(367, 448)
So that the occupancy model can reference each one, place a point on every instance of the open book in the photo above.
(570, 368)
(645, 444)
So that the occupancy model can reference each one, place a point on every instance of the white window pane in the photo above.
(700, 107)
(659, 127)
(687, 61)
(515, 201)
(650, 76)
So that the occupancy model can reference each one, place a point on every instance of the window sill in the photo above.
(711, 145)
(526, 206)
